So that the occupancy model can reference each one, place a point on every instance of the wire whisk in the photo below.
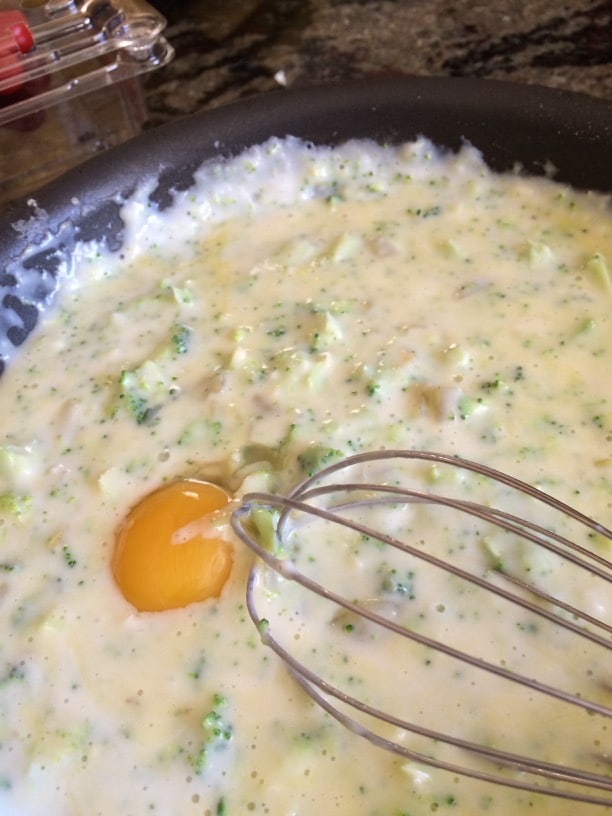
(454, 633)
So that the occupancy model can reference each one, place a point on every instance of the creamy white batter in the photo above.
(296, 305)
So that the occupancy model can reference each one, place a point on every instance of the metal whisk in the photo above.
(436, 606)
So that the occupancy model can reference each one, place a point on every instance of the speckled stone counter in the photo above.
(226, 50)
(229, 49)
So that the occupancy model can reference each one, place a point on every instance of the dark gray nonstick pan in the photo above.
(542, 131)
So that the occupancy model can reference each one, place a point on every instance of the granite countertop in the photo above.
(226, 50)
(230, 49)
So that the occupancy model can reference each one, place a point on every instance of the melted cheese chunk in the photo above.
(297, 305)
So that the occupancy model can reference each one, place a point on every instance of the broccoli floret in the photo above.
(142, 390)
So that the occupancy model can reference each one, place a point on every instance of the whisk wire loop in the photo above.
(339, 500)
(285, 568)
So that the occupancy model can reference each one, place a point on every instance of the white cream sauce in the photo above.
(297, 304)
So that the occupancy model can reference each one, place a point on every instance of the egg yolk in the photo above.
(167, 553)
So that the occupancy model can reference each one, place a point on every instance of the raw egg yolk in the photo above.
(167, 553)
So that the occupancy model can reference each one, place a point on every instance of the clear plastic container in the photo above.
(70, 83)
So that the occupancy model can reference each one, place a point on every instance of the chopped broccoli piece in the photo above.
(181, 339)
(325, 330)
(181, 294)
(316, 457)
(14, 504)
(135, 403)
(468, 405)
(217, 733)
(263, 629)
(142, 390)
(264, 522)
(597, 267)
(254, 452)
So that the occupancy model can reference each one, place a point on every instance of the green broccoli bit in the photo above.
(424, 212)
(254, 452)
(397, 584)
(14, 504)
(263, 629)
(316, 457)
(217, 733)
(137, 405)
(598, 269)
(141, 391)
(69, 557)
(13, 673)
(264, 522)
(468, 406)
(494, 557)
(181, 339)
(324, 330)
(180, 294)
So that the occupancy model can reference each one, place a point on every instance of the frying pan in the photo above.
(539, 130)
